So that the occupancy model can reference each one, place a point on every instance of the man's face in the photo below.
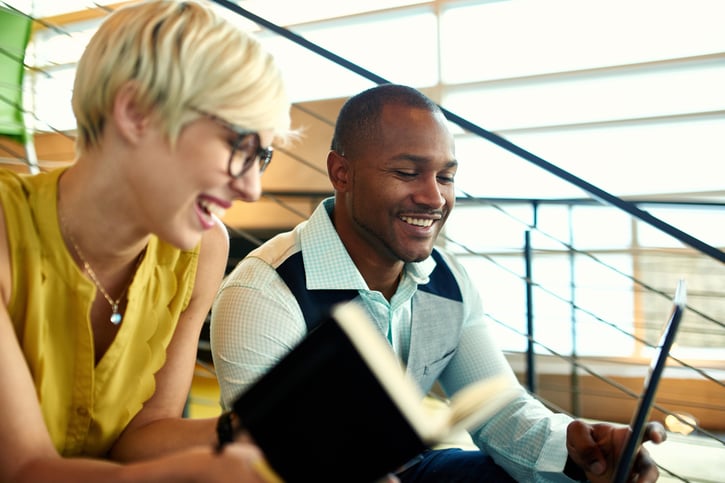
(402, 184)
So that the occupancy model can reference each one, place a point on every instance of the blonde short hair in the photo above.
(182, 57)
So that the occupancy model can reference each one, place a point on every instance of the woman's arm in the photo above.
(27, 453)
(159, 428)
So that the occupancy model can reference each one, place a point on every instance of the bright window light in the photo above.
(636, 93)
(399, 48)
(705, 223)
(498, 40)
(288, 12)
(627, 160)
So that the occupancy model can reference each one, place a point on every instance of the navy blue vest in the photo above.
(316, 304)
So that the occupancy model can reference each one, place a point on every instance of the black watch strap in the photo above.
(574, 471)
(224, 430)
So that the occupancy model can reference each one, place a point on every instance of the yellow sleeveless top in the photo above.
(86, 407)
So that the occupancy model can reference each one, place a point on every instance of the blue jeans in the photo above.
(454, 466)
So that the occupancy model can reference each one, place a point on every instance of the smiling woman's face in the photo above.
(183, 188)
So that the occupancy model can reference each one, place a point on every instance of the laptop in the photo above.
(647, 399)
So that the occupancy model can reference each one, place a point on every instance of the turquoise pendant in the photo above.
(115, 316)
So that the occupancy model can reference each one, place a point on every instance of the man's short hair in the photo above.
(358, 120)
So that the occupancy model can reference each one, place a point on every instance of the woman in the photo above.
(108, 267)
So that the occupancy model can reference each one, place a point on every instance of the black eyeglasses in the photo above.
(246, 149)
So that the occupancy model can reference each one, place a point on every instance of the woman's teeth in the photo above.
(212, 208)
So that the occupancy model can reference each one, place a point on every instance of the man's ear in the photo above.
(339, 171)
(128, 116)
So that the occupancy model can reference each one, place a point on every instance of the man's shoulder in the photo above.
(261, 263)
(450, 273)
(441, 260)
(308, 234)
(443, 256)
(277, 249)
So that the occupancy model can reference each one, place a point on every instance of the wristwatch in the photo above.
(574, 471)
(225, 429)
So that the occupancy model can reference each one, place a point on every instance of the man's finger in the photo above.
(583, 446)
(645, 467)
(655, 432)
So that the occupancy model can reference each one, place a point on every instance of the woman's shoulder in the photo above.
(10, 181)
(14, 194)
(15, 186)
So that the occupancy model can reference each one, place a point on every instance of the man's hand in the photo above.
(596, 449)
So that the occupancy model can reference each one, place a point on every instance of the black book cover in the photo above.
(322, 415)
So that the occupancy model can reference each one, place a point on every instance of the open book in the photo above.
(340, 407)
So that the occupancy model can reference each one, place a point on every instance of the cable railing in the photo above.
(469, 126)
(647, 287)
(587, 366)
(576, 361)
(594, 191)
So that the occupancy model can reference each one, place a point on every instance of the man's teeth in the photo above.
(417, 221)
(212, 208)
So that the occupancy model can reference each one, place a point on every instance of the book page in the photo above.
(386, 366)
(468, 408)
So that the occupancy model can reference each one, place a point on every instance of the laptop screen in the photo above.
(646, 401)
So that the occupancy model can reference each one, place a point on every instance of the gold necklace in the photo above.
(116, 316)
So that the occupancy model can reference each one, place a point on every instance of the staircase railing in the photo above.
(529, 251)
(593, 190)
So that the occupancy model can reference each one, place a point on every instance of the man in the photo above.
(392, 165)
